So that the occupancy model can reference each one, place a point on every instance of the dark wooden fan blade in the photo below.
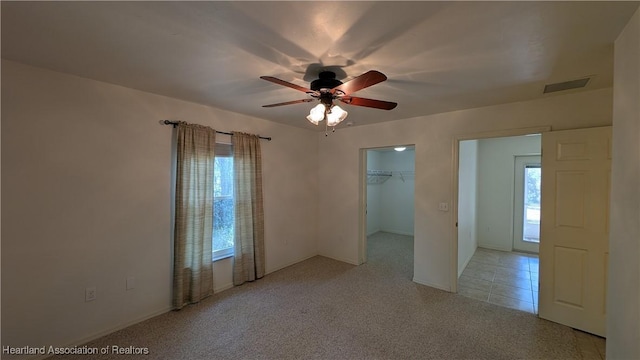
(367, 79)
(285, 83)
(289, 102)
(378, 104)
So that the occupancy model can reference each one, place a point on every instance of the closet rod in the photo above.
(175, 123)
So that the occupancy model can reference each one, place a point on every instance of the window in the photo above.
(223, 202)
(532, 179)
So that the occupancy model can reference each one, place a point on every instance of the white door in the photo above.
(574, 244)
(526, 203)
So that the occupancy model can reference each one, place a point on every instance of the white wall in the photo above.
(373, 194)
(496, 158)
(467, 202)
(433, 137)
(86, 202)
(623, 295)
(397, 196)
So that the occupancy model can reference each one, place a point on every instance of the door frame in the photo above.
(453, 270)
(362, 208)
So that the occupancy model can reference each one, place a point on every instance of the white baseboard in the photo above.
(222, 288)
(397, 232)
(429, 284)
(373, 232)
(267, 272)
(280, 267)
(495, 247)
(348, 261)
(99, 334)
(461, 269)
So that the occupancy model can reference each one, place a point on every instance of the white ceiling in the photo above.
(438, 56)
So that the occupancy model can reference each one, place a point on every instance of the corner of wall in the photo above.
(623, 292)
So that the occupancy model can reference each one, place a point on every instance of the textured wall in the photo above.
(86, 183)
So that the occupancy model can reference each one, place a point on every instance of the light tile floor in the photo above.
(510, 279)
(591, 347)
(503, 278)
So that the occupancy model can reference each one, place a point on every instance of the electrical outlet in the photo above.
(443, 206)
(90, 294)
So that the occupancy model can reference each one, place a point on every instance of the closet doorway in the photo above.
(387, 209)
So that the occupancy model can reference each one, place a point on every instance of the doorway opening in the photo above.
(387, 207)
(498, 213)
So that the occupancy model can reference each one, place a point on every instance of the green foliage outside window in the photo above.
(223, 204)
(533, 176)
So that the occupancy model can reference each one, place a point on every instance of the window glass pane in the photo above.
(223, 205)
(532, 179)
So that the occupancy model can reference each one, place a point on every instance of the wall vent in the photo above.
(566, 85)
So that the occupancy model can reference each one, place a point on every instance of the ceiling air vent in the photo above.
(567, 85)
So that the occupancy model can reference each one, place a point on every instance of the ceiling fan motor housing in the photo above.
(326, 80)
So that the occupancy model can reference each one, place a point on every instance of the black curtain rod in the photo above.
(175, 123)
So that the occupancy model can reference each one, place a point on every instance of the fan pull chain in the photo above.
(326, 129)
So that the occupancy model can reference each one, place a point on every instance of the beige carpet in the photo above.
(326, 309)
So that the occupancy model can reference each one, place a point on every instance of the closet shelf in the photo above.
(404, 174)
(380, 176)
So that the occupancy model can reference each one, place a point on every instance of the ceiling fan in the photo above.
(327, 88)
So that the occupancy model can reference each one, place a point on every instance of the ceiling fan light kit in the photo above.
(316, 114)
(327, 88)
(335, 115)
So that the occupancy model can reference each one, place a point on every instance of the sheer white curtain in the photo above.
(192, 266)
(249, 215)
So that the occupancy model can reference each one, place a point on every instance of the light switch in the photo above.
(443, 206)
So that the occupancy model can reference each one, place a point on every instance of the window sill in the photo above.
(220, 257)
